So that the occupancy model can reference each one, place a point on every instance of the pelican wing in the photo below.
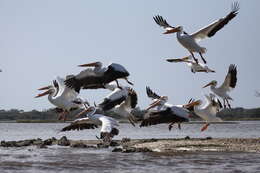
(231, 78)
(64, 91)
(160, 117)
(80, 124)
(184, 59)
(108, 123)
(162, 22)
(214, 27)
(152, 94)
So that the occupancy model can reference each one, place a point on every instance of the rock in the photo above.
(187, 138)
(208, 138)
(125, 140)
(82, 145)
(24, 143)
(117, 150)
(37, 142)
(135, 150)
(149, 140)
(114, 144)
(63, 141)
(47, 142)
(102, 145)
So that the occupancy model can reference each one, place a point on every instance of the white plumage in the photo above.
(189, 41)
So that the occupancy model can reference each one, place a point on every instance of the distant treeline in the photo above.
(51, 114)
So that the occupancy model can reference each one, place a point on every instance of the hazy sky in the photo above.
(43, 39)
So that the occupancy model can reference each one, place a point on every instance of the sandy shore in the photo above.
(151, 145)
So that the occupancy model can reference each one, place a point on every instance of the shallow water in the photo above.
(66, 159)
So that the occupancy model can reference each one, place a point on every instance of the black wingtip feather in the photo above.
(232, 70)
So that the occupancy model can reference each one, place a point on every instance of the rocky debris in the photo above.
(63, 141)
(148, 140)
(82, 145)
(187, 138)
(125, 140)
(114, 144)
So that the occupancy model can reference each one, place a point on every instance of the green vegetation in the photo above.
(51, 116)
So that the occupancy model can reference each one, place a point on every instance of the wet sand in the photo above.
(181, 145)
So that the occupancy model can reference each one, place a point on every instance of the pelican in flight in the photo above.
(194, 66)
(165, 113)
(189, 41)
(209, 110)
(257, 93)
(109, 126)
(1, 70)
(97, 77)
(228, 84)
(63, 97)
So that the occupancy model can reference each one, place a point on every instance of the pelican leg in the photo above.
(224, 102)
(170, 126)
(62, 116)
(204, 127)
(131, 121)
(228, 104)
(195, 59)
(118, 84)
(179, 126)
(203, 58)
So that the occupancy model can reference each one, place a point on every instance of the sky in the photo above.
(42, 39)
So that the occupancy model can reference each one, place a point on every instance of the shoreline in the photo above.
(167, 145)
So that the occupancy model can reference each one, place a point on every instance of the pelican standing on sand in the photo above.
(229, 83)
(209, 110)
(109, 126)
(97, 77)
(189, 41)
(194, 66)
(63, 97)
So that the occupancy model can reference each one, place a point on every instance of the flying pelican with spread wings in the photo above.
(109, 126)
(190, 41)
(66, 99)
(97, 77)
(228, 84)
(209, 110)
(194, 66)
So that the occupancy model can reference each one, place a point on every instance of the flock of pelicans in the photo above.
(64, 93)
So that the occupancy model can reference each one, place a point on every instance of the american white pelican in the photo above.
(194, 66)
(229, 83)
(189, 41)
(209, 110)
(165, 113)
(97, 77)
(109, 126)
(63, 97)
(161, 102)
(126, 107)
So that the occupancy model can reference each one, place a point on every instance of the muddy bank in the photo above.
(149, 145)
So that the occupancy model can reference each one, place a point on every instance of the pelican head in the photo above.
(173, 30)
(212, 83)
(159, 101)
(94, 64)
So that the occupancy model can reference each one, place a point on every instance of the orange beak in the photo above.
(94, 64)
(194, 103)
(43, 94)
(207, 85)
(83, 112)
(157, 102)
(171, 31)
(44, 88)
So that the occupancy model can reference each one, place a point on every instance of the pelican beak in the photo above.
(207, 85)
(45, 88)
(194, 103)
(83, 112)
(43, 94)
(153, 104)
(94, 64)
(171, 31)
